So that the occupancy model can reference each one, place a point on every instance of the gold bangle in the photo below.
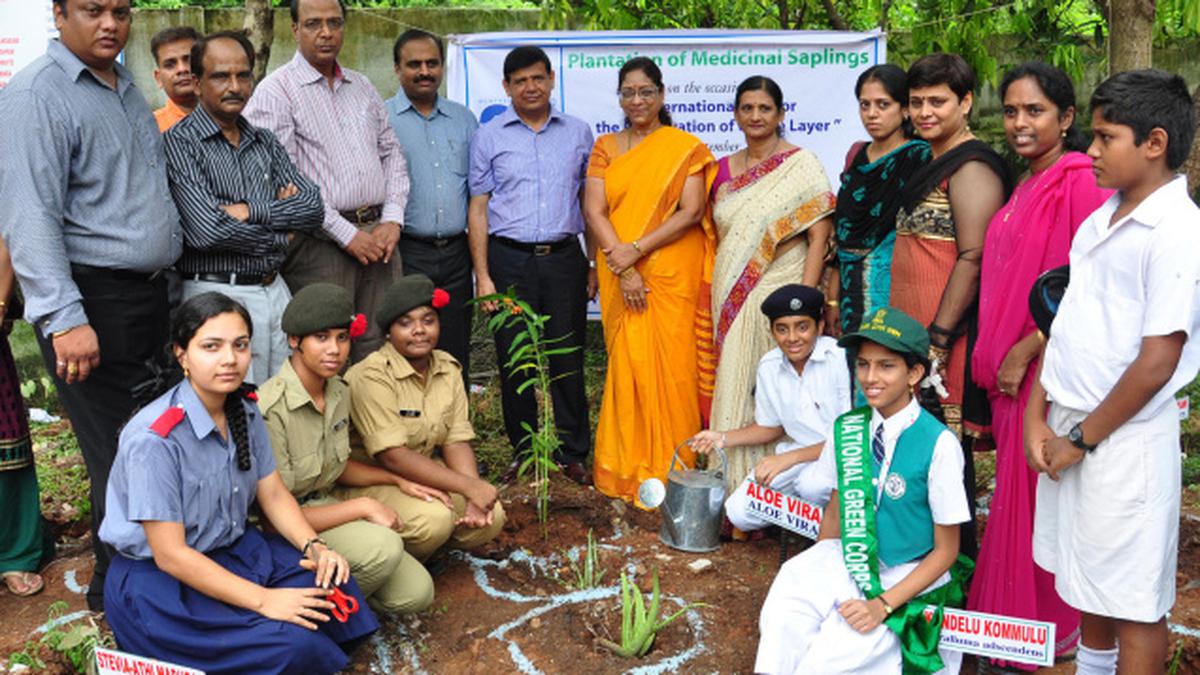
(833, 303)
(636, 246)
(60, 333)
(3, 304)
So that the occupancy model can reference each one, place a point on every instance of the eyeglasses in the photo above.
(314, 25)
(644, 94)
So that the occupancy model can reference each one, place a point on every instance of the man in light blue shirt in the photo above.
(90, 225)
(524, 221)
(436, 136)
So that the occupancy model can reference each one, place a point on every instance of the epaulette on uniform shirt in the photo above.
(167, 421)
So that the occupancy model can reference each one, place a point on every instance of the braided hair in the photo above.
(186, 321)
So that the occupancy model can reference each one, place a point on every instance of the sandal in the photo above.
(23, 584)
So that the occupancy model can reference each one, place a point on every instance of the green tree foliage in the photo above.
(1055, 31)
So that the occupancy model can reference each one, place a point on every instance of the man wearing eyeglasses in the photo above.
(523, 225)
(333, 124)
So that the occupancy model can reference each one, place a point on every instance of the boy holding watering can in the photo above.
(802, 387)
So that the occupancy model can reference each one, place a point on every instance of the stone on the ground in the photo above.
(700, 565)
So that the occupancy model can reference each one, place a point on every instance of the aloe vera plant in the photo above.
(639, 624)
(587, 573)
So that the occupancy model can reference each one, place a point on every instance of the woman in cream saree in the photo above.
(771, 205)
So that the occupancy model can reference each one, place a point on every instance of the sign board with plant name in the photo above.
(113, 662)
(1000, 637)
(791, 513)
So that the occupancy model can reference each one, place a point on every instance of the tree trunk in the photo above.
(1192, 166)
(1131, 34)
(260, 28)
(835, 18)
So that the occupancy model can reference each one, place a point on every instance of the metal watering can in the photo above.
(691, 502)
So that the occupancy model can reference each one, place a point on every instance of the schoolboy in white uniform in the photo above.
(802, 386)
(853, 603)
(1107, 520)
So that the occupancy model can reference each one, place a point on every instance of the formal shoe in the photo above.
(576, 472)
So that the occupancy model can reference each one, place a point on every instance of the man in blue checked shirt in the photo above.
(435, 134)
(90, 225)
(240, 197)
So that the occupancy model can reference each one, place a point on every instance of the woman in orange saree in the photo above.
(645, 203)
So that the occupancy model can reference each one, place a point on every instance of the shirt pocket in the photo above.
(416, 433)
(206, 502)
(459, 161)
(304, 458)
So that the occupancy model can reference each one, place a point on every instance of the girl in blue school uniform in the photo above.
(193, 584)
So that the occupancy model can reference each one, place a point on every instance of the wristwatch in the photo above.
(1075, 435)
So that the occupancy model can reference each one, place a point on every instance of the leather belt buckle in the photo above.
(543, 249)
(362, 212)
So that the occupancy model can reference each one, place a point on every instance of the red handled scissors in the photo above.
(343, 605)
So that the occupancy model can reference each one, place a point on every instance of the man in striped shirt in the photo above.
(334, 126)
(90, 226)
(239, 195)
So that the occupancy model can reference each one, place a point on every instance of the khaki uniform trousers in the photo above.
(428, 526)
(390, 578)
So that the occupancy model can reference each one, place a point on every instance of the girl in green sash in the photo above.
(868, 596)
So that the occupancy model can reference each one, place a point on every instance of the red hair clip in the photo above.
(440, 298)
(358, 326)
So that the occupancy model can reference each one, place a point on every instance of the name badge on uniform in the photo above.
(341, 424)
(410, 413)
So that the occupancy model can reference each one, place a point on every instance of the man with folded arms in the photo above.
(241, 198)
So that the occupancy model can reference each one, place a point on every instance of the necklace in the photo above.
(1016, 195)
(770, 153)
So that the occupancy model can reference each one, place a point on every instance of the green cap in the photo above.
(318, 307)
(893, 329)
(407, 294)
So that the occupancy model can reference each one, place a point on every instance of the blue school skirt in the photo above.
(154, 614)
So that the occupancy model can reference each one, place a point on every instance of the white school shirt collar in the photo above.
(1153, 210)
(892, 428)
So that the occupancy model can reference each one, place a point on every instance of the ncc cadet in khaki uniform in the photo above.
(306, 407)
(409, 409)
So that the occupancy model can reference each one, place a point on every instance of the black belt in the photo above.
(537, 249)
(109, 273)
(436, 242)
(363, 214)
(234, 279)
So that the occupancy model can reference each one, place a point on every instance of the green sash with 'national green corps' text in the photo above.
(917, 629)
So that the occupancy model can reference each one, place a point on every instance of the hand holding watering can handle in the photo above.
(724, 459)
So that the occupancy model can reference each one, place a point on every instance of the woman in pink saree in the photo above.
(1027, 236)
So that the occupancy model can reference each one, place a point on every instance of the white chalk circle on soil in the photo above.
(540, 567)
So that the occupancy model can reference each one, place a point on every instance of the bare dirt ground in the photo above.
(507, 609)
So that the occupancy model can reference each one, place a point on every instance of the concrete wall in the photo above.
(369, 36)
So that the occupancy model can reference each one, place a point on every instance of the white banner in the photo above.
(25, 28)
(701, 70)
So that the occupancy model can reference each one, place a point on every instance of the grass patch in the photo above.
(37, 387)
(492, 448)
(62, 476)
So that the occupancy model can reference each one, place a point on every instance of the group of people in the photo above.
(259, 232)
